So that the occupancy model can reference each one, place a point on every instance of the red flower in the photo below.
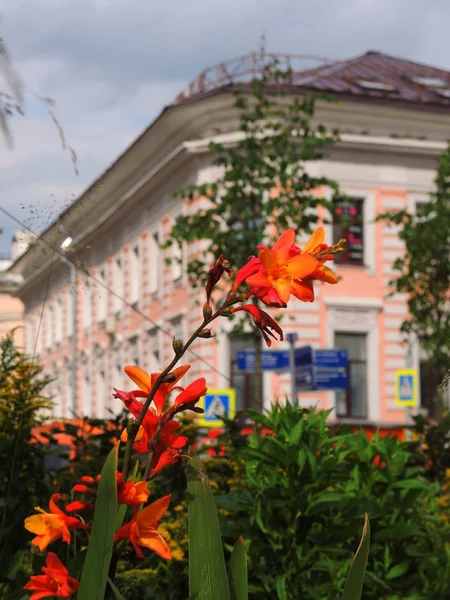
(131, 493)
(56, 581)
(263, 321)
(166, 458)
(215, 275)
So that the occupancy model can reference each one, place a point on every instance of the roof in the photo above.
(373, 75)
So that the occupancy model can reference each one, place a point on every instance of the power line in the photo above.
(103, 285)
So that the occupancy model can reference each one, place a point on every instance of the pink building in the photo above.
(394, 120)
(11, 307)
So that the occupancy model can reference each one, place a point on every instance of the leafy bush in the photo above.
(302, 503)
(23, 480)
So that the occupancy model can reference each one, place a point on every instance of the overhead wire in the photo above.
(68, 258)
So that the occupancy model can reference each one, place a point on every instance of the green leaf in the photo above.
(208, 578)
(238, 572)
(412, 484)
(115, 591)
(99, 552)
(397, 571)
(296, 433)
(355, 579)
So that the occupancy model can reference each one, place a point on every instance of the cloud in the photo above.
(111, 66)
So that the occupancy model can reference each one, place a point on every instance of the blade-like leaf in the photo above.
(207, 572)
(355, 579)
(238, 572)
(115, 591)
(99, 552)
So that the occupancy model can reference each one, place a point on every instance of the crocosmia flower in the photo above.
(56, 581)
(143, 530)
(285, 269)
(51, 526)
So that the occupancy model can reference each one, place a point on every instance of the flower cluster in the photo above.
(157, 434)
(271, 278)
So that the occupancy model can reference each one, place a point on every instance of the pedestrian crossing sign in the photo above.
(406, 387)
(216, 404)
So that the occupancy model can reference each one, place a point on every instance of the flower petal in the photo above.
(302, 265)
(153, 513)
(303, 290)
(283, 244)
(139, 377)
(315, 240)
(154, 541)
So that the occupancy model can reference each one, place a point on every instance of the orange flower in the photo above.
(55, 582)
(130, 493)
(145, 382)
(275, 274)
(285, 269)
(51, 526)
(143, 529)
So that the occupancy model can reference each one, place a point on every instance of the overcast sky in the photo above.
(112, 65)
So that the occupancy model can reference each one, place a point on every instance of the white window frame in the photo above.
(177, 262)
(154, 350)
(358, 315)
(369, 228)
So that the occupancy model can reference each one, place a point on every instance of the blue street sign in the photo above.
(292, 337)
(320, 369)
(271, 360)
(318, 378)
(216, 404)
(327, 358)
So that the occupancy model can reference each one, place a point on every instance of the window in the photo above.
(102, 296)
(118, 284)
(134, 351)
(177, 328)
(348, 223)
(48, 324)
(86, 399)
(59, 314)
(155, 357)
(177, 261)
(135, 275)
(71, 303)
(87, 305)
(243, 382)
(101, 395)
(154, 263)
(353, 401)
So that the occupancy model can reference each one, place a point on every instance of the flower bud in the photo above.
(177, 346)
(207, 311)
(231, 296)
(169, 378)
(205, 333)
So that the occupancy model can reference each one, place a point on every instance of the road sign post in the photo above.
(292, 338)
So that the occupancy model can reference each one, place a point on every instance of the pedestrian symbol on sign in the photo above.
(216, 408)
(406, 387)
(218, 405)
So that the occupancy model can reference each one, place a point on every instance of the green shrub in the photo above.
(301, 509)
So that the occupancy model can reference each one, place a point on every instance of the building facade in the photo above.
(123, 303)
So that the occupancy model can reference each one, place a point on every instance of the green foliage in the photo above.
(208, 578)
(23, 480)
(277, 138)
(355, 580)
(424, 271)
(100, 548)
(302, 505)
